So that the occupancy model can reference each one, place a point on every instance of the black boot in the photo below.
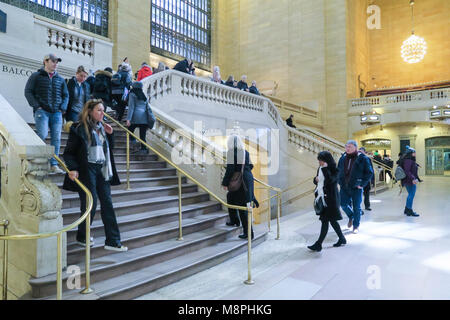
(315, 247)
(406, 211)
(340, 242)
(412, 213)
(244, 236)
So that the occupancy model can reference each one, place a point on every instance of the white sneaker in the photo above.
(120, 248)
(83, 244)
(355, 230)
(56, 169)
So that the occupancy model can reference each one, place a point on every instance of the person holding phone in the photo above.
(89, 157)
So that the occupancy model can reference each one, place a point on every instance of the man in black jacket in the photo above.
(289, 121)
(79, 94)
(242, 85)
(355, 172)
(46, 92)
(184, 66)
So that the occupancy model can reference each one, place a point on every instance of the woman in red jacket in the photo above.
(144, 72)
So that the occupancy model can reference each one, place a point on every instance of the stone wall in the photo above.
(432, 22)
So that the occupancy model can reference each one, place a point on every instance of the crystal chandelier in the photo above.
(414, 48)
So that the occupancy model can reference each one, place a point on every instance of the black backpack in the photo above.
(117, 85)
(100, 84)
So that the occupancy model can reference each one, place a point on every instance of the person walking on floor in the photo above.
(355, 173)
(368, 186)
(327, 193)
(79, 94)
(238, 160)
(46, 92)
(89, 157)
(137, 114)
(410, 167)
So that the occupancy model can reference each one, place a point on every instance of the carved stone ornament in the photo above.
(39, 197)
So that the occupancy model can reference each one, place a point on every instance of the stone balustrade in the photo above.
(71, 42)
(424, 98)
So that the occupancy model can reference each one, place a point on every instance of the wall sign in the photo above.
(2, 21)
(14, 70)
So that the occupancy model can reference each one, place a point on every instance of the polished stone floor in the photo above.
(393, 257)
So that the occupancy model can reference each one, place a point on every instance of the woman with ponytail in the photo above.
(89, 157)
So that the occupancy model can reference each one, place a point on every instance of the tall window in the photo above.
(91, 15)
(181, 29)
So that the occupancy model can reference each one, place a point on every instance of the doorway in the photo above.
(438, 156)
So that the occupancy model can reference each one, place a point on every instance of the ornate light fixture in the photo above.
(414, 48)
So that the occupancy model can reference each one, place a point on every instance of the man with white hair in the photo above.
(355, 173)
(242, 85)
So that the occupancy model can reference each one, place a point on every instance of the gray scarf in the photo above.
(98, 151)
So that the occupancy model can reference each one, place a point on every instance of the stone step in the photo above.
(134, 284)
(118, 264)
(144, 236)
(70, 215)
(72, 200)
(134, 173)
(140, 183)
(147, 219)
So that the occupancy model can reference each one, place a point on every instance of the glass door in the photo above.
(435, 162)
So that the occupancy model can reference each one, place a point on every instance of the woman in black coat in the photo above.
(236, 156)
(327, 193)
(88, 156)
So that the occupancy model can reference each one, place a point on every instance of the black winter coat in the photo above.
(254, 90)
(242, 85)
(246, 193)
(48, 94)
(331, 212)
(73, 94)
(102, 86)
(183, 66)
(76, 158)
(360, 175)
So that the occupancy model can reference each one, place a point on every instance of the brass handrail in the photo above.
(86, 216)
(181, 171)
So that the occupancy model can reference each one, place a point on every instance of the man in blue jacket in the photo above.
(355, 173)
(46, 92)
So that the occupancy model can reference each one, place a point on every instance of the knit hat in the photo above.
(410, 150)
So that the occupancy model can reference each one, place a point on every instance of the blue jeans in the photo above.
(44, 120)
(100, 190)
(411, 193)
(351, 204)
(72, 116)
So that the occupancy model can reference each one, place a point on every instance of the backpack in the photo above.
(100, 85)
(117, 86)
(399, 174)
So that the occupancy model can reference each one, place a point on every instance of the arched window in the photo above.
(89, 15)
(181, 29)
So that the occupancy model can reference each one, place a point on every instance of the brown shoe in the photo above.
(350, 223)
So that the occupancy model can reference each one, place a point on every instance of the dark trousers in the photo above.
(142, 132)
(121, 105)
(238, 198)
(324, 230)
(367, 196)
(100, 189)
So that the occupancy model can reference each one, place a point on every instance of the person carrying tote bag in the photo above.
(326, 203)
(239, 169)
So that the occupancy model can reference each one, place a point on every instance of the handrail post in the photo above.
(59, 267)
(5, 261)
(128, 161)
(269, 210)
(375, 182)
(249, 239)
(87, 268)
(180, 233)
(278, 215)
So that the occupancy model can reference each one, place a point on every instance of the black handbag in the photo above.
(318, 206)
